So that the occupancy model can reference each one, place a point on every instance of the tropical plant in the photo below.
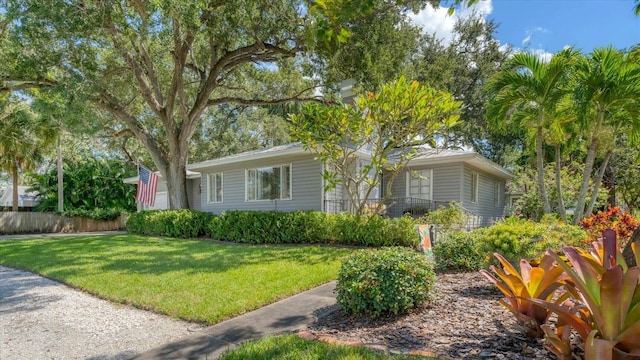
(526, 95)
(539, 282)
(608, 291)
(606, 93)
(88, 184)
(24, 136)
(614, 218)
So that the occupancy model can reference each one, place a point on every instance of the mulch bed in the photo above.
(464, 321)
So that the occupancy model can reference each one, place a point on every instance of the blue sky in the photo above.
(546, 26)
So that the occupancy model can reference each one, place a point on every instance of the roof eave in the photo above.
(244, 158)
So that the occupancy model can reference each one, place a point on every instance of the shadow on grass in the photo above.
(63, 257)
(292, 347)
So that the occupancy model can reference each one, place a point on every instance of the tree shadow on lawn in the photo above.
(150, 255)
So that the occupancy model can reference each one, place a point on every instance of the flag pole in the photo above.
(139, 206)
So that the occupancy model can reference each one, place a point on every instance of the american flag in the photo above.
(147, 185)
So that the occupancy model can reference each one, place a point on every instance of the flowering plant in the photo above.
(614, 218)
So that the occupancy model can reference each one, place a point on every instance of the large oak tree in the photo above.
(156, 66)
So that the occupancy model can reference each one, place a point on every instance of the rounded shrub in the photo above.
(517, 239)
(458, 251)
(385, 280)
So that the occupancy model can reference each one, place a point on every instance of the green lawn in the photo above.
(189, 279)
(291, 347)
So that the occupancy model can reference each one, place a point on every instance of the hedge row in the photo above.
(172, 223)
(273, 227)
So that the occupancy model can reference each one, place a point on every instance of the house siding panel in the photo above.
(306, 186)
(485, 207)
(162, 186)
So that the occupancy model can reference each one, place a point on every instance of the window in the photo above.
(273, 183)
(214, 188)
(496, 194)
(419, 184)
(475, 182)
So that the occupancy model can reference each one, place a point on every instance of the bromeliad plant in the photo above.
(608, 291)
(539, 282)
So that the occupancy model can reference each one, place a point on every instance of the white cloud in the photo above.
(531, 33)
(544, 55)
(437, 21)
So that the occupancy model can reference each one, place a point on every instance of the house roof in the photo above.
(7, 196)
(280, 150)
(134, 179)
(425, 156)
(429, 156)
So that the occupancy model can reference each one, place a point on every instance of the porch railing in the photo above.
(393, 207)
(396, 207)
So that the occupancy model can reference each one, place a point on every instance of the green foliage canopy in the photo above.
(88, 184)
(356, 141)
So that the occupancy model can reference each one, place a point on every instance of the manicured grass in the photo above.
(189, 279)
(291, 347)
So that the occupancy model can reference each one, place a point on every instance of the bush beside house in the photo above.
(273, 227)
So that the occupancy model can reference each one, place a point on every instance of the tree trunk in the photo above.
(176, 173)
(596, 186)
(586, 176)
(60, 177)
(177, 186)
(561, 208)
(14, 179)
(540, 165)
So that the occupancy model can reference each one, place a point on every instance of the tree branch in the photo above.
(111, 104)
(140, 75)
(11, 84)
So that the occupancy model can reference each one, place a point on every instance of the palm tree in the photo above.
(607, 93)
(23, 137)
(526, 95)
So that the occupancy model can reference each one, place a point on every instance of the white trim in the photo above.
(209, 176)
(475, 182)
(323, 195)
(408, 183)
(280, 166)
(274, 152)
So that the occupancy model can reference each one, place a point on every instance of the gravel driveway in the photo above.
(43, 319)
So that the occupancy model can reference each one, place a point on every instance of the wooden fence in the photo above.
(36, 222)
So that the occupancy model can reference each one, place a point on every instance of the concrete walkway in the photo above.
(284, 316)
